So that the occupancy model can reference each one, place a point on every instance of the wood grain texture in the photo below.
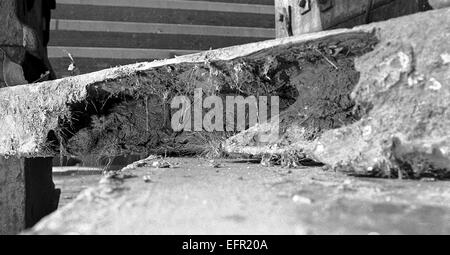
(12, 195)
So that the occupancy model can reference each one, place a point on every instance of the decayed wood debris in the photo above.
(370, 99)
(126, 110)
(401, 129)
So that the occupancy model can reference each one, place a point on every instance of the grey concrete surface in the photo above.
(245, 198)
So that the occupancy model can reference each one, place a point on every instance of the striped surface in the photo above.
(104, 33)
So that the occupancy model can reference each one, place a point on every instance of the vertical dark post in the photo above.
(27, 192)
(12, 195)
(41, 196)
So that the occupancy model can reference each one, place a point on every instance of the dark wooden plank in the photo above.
(170, 16)
(145, 41)
(158, 28)
(41, 197)
(261, 2)
(179, 5)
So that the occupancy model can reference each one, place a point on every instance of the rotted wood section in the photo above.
(126, 110)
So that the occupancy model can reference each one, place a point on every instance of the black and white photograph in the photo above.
(203, 119)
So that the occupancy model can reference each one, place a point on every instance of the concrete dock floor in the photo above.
(243, 197)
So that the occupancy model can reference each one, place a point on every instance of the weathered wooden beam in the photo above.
(27, 192)
(12, 195)
(401, 104)
(126, 110)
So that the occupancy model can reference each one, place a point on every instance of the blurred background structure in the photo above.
(104, 33)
